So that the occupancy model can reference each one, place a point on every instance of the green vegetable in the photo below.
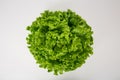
(60, 41)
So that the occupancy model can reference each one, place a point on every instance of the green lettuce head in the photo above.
(60, 41)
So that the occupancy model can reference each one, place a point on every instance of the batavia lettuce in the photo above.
(60, 41)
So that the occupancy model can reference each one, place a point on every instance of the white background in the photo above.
(16, 62)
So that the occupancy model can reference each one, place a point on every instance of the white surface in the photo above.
(16, 62)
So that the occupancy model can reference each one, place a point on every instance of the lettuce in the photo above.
(60, 41)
